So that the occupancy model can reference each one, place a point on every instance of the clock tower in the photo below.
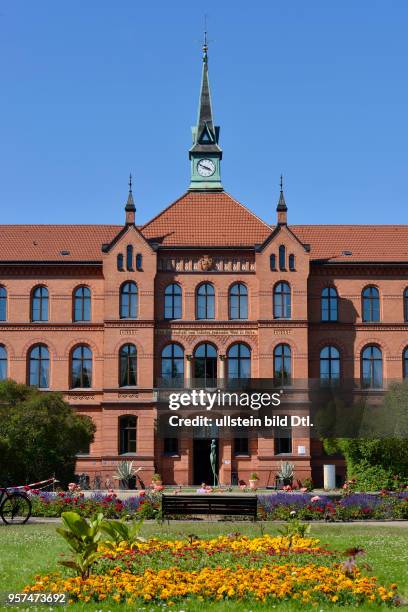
(205, 154)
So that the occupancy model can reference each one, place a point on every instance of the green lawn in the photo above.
(34, 549)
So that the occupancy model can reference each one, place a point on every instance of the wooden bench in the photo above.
(210, 504)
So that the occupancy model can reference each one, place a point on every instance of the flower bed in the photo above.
(266, 569)
(355, 506)
(274, 506)
(53, 504)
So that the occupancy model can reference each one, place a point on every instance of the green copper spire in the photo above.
(205, 154)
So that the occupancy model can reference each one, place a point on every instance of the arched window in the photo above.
(238, 301)
(205, 301)
(282, 364)
(329, 304)
(272, 262)
(39, 367)
(239, 361)
(406, 305)
(127, 434)
(282, 257)
(139, 260)
(39, 304)
(172, 363)
(119, 261)
(128, 365)
(371, 304)
(405, 363)
(3, 362)
(281, 301)
(82, 304)
(205, 364)
(129, 258)
(329, 364)
(371, 367)
(81, 367)
(128, 300)
(292, 263)
(172, 301)
(3, 304)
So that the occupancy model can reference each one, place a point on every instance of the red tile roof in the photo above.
(337, 243)
(206, 219)
(212, 219)
(48, 242)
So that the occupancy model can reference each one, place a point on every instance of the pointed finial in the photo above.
(282, 209)
(130, 207)
(205, 43)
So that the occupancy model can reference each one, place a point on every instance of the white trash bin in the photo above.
(329, 477)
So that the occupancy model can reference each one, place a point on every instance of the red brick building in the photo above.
(206, 288)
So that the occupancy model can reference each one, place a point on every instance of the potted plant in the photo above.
(253, 481)
(124, 473)
(286, 473)
(156, 481)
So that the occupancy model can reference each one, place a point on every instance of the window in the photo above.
(238, 301)
(205, 307)
(404, 363)
(241, 446)
(129, 258)
(81, 367)
(128, 301)
(3, 304)
(405, 305)
(39, 367)
(282, 257)
(283, 444)
(127, 434)
(171, 447)
(3, 362)
(172, 301)
(239, 361)
(82, 304)
(282, 364)
(329, 364)
(172, 362)
(39, 304)
(139, 260)
(128, 365)
(205, 364)
(371, 367)
(281, 301)
(119, 262)
(371, 304)
(292, 263)
(272, 262)
(329, 304)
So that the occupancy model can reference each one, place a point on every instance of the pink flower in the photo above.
(315, 498)
(303, 489)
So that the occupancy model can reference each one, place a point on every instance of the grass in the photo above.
(33, 549)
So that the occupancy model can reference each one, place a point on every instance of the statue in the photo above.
(213, 460)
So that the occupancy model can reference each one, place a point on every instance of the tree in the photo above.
(40, 435)
(380, 452)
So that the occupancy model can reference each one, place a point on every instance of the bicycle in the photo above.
(15, 508)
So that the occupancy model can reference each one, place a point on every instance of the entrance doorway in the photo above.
(201, 461)
(205, 365)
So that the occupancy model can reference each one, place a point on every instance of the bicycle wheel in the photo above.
(15, 509)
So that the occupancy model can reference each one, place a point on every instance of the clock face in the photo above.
(206, 167)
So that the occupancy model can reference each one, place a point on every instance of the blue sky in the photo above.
(92, 90)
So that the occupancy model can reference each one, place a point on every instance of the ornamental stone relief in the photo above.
(206, 263)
